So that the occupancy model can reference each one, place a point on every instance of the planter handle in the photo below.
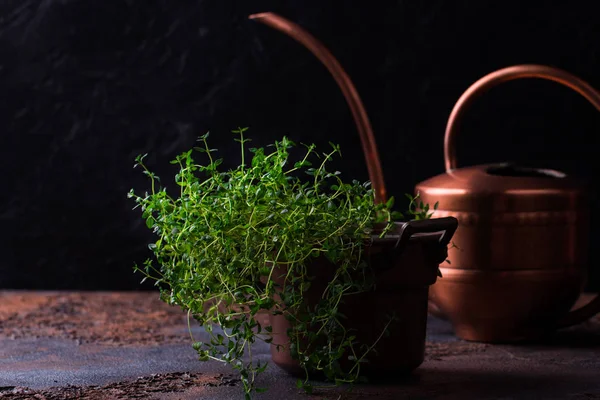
(447, 225)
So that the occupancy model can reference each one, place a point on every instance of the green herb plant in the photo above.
(222, 237)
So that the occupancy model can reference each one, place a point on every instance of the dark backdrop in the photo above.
(85, 85)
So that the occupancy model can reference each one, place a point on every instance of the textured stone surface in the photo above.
(65, 364)
(118, 319)
(146, 387)
(87, 85)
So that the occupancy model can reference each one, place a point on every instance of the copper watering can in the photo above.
(522, 238)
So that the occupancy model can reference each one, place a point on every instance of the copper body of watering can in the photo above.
(522, 241)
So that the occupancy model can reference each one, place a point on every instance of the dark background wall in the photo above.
(85, 85)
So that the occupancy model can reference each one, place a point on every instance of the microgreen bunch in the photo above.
(224, 234)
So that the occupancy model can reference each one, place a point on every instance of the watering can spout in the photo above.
(343, 80)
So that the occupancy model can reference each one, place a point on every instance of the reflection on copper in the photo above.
(343, 80)
(523, 236)
(532, 191)
(446, 191)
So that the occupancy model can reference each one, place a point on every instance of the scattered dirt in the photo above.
(147, 387)
(135, 318)
(141, 318)
(356, 395)
(121, 319)
(15, 302)
(436, 351)
(92, 317)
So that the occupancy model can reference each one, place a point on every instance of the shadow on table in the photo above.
(585, 335)
(475, 383)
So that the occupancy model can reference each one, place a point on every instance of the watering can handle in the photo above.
(489, 81)
(504, 75)
(349, 91)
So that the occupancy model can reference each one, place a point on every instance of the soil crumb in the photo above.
(436, 351)
(148, 387)
(135, 318)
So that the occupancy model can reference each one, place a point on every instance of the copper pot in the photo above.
(522, 241)
(404, 264)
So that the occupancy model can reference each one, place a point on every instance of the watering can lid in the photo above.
(509, 187)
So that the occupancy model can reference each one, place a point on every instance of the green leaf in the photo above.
(390, 203)
(397, 215)
(150, 221)
(308, 388)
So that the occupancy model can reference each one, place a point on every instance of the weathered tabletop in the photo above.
(100, 345)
